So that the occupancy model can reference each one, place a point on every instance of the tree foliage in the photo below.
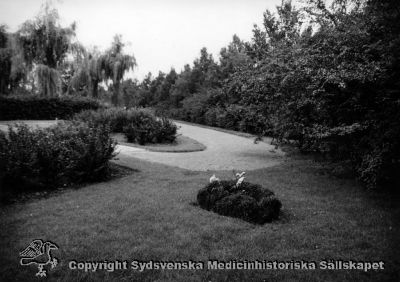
(13, 68)
(48, 55)
(45, 44)
(114, 64)
(5, 60)
(86, 70)
(325, 77)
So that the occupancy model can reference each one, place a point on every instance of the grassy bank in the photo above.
(150, 215)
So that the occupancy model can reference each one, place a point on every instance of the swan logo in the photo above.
(38, 253)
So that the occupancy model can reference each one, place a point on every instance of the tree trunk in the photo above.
(95, 90)
(3, 86)
(115, 95)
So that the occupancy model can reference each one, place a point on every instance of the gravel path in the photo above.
(224, 152)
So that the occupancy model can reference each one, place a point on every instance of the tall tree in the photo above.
(233, 57)
(45, 45)
(163, 93)
(5, 60)
(181, 88)
(87, 72)
(202, 67)
(115, 64)
(12, 65)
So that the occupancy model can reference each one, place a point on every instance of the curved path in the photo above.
(224, 152)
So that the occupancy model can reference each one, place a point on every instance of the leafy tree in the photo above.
(13, 68)
(130, 93)
(5, 60)
(145, 97)
(324, 77)
(164, 89)
(204, 73)
(180, 90)
(45, 45)
(87, 72)
(233, 57)
(114, 64)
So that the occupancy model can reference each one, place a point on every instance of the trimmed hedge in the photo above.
(250, 202)
(139, 125)
(42, 108)
(67, 153)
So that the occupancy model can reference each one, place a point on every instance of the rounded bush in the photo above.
(250, 202)
(138, 125)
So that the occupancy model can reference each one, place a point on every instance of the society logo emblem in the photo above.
(39, 253)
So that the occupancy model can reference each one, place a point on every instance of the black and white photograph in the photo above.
(200, 140)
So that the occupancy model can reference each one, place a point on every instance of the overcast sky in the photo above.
(161, 33)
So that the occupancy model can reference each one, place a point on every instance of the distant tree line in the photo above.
(323, 77)
(45, 58)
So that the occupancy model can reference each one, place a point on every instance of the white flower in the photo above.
(240, 181)
(213, 178)
(240, 175)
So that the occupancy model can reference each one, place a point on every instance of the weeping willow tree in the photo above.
(45, 45)
(49, 81)
(91, 68)
(87, 71)
(114, 64)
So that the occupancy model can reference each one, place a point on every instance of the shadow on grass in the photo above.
(38, 192)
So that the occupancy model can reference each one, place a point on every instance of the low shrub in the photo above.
(248, 201)
(41, 108)
(116, 118)
(139, 125)
(64, 154)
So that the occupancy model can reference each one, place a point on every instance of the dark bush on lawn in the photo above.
(61, 155)
(139, 125)
(40, 108)
(250, 202)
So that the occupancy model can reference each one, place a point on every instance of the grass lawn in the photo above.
(149, 215)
